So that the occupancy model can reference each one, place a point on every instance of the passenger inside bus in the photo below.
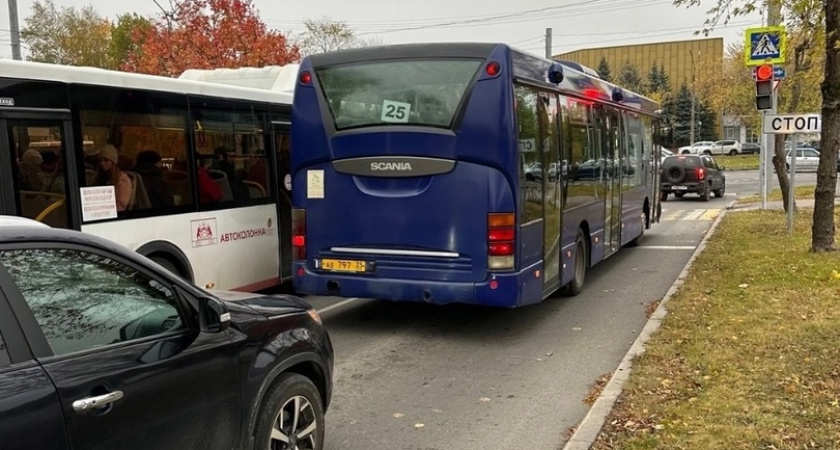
(30, 170)
(149, 167)
(53, 174)
(109, 173)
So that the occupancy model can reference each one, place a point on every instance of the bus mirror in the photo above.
(617, 94)
(555, 73)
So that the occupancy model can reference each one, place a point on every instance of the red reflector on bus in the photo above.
(493, 68)
(305, 78)
(494, 284)
(500, 234)
(500, 248)
(298, 241)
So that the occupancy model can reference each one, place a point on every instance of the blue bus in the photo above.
(463, 173)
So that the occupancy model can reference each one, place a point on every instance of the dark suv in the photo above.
(698, 174)
(101, 348)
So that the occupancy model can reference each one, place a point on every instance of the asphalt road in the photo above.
(416, 376)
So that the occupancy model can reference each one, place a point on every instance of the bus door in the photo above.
(551, 192)
(281, 131)
(36, 161)
(611, 146)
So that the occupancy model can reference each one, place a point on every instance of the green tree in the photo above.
(629, 78)
(654, 81)
(604, 69)
(127, 37)
(664, 80)
(67, 35)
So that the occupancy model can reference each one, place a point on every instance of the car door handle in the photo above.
(97, 401)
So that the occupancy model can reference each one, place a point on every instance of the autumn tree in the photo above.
(67, 35)
(604, 69)
(807, 21)
(206, 34)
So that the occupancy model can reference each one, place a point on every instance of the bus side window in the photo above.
(146, 133)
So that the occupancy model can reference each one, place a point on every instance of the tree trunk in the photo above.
(822, 231)
(781, 169)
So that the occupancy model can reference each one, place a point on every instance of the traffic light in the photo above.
(764, 87)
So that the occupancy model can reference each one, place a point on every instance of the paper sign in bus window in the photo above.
(314, 184)
(98, 203)
(395, 111)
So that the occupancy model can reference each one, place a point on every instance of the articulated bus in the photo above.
(469, 173)
(185, 172)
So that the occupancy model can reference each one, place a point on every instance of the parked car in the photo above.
(698, 174)
(725, 147)
(697, 148)
(101, 348)
(750, 148)
(807, 159)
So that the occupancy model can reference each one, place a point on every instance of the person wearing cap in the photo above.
(109, 173)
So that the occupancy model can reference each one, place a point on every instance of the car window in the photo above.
(84, 300)
(812, 153)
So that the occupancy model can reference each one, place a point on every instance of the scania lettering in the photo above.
(390, 166)
(463, 173)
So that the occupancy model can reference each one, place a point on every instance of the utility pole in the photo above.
(548, 43)
(15, 29)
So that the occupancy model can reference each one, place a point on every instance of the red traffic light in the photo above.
(764, 73)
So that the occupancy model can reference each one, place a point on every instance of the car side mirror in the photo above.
(213, 316)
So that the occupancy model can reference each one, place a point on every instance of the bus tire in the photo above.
(166, 264)
(575, 286)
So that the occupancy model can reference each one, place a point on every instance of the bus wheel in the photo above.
(166, 264)
(575, 286)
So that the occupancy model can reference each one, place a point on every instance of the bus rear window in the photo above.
(424, 92)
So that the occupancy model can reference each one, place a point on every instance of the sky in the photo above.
(575, 24)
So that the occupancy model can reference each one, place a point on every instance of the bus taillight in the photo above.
(298, 234)
(501, 238)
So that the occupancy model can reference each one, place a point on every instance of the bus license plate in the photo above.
(343, 265)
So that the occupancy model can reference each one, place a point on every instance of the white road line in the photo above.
(337, 305)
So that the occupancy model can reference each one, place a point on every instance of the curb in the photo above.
(589, 428)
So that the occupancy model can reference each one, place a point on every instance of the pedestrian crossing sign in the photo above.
(765, 45)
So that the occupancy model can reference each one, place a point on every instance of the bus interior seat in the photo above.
(221, 179)
(255, 190)
(140, 198)
(178, 182)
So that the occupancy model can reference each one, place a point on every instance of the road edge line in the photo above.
(590, 427)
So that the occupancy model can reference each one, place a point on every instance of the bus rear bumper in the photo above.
(503, 290)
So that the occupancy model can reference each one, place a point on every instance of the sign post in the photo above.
(792, 124)
(766, 45)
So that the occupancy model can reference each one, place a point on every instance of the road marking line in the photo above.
(710, 214)
(694, 215)
(337, 305)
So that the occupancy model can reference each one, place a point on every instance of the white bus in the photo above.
(200, 165)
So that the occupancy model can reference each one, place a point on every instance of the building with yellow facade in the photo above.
(679, 59)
